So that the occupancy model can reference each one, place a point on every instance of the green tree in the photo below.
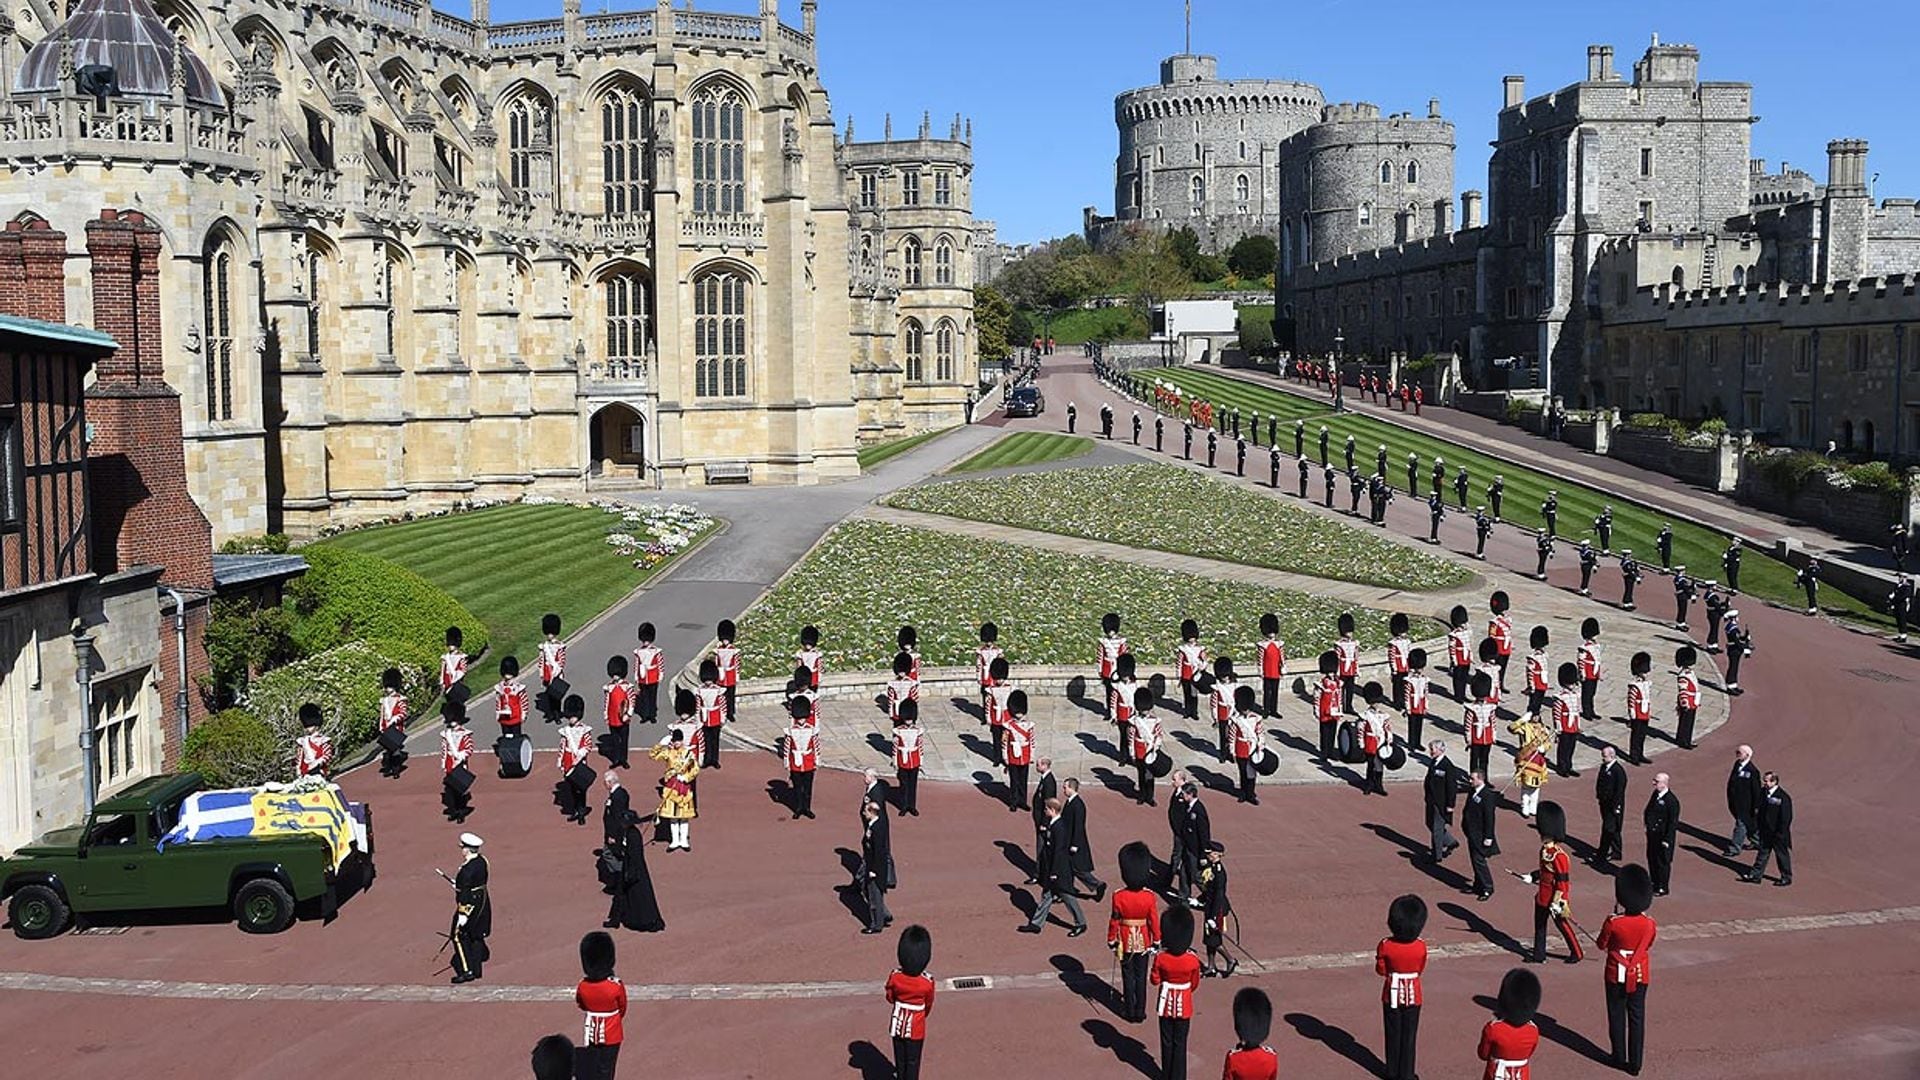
(993, 321)
(1020, 329)
(1253, 256)
(242, 641)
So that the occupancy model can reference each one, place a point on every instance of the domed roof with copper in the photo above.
(127, 36)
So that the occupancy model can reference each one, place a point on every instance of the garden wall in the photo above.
(1853, 513)
(1714, 467)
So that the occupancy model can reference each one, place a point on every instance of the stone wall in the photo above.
(1657, 450)
(1849, 512)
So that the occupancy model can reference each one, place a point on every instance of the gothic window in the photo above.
(1243, 150)
(942, 189)
(1366, 213)
(1386, 172)
(1198, 188)
(913, 342)
(910, 254)
(392, 151)
(1739, 275)
(1241, 188)
(219, 306)
(719, 150)
(943, 262)
(623, 119)
(1646, 161)
(387, 279)
(720, 334)
(451, 163)
(1306, 239)
(529, 120)
(943, 352)
(626, 298)
(1533, 168)
(910, 188)
(318, 289)
(869, 190)
(1286, 248)
(1413, 172)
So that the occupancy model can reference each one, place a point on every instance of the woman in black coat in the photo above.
(634, 906)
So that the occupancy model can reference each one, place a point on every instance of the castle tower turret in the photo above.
(1845, 211)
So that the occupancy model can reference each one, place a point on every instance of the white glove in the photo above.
(461, 922)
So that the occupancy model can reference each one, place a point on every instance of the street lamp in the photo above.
(83, 675)
(1339, 388)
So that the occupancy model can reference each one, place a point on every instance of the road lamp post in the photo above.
(1339, 387)
(83, 675)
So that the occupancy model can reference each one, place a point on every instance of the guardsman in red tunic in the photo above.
(711, 700)
(1347, 648)
(1190, 659)
(1553, 897)
(726, 660)
(1627, 939)
(1590, 670)
(602, 999)
(616, 700)
(909, 641)
(902, 688)
(1566, 719)
(1480, 722)
(983, 658)
(810, 656)
(313, 751)
(997, 695)
(576, 743)
(1509, 1040)
(1400, 959)
(1176, 971)
(1398, 648)
(1639, 707)
(1251, 1058)
(910, 996)
(1327, 701)
(1110, 648)
(1018, 752)
(1490, 667)
(1500, 629)
(1133, 928)
(1120, 696)
(649, 664)
(799, 687)
(393, 717)
(1459, 651)
(688, 721)
(802, 747)
(509, 697)
(1376, 737)
(1220, 703)
(553, 651)
(1419, 694)
(1248, 733)
(1147, 734)
(456, 748)
(1538, 688)
(1272, 653)
(453, 662)
(1686, 695)
(907, 739)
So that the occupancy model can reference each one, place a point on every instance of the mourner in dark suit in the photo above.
(1476, 819)
(472, 912)
(1055, 869)
(1074, 810)
(1196, 834)
(876, 865)
(1663, 828)
(1775, 822)
(1048, 787)
(1744, 792)
(1610, 792)
(1441, 788)
(876, 791)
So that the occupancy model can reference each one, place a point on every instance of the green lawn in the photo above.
(867, 578)
(875, 453)
(1695, 547)
(1170, 508)
(510, 565)
(1026, 448)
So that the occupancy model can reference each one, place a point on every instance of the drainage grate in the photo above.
(688, 625)
(1876, 675)
(970, 982)
(102, 931)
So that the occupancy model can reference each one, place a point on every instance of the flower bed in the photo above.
(650, 535)
(868, 578)
(1168, 508)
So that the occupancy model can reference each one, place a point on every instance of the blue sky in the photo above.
(1038, 77)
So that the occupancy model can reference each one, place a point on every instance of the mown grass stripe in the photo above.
(875, 453)
(1026, 448)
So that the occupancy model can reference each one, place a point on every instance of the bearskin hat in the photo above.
(1633, 889)
(802, 676)
(549, 623)
(1110, 623)
(1640, 664)
(989, 633)
(725, 631)
(915, 950)
(1252, 1016)
(1329, 662)
(1551, 821)
(553, 1058)
(1189, 629)
(1538, 637)
(1685, 656)
(1489, 650)
(454, 637)
(800, 708)
(616, 666)
(310, 715)
(460, 693)
(1568, 674)
(1399, 624)
(684, 703)
(391, 678)
(908, 637)
(709, 671)
(1590, 628)
(1142, 698)
(509, 666)
(647, 632)
(1243, 698)
(1176, 929)
(1373, 693)
(1417, 659)
(451, 712)
(809, 636)
(909, 711)
(1519, 996)
(1136, 865)
(1481, 685)
(1123, 668)
(1223, 667)
(1017, 703)
(1346, 622)
(1458, 616)
(1269, 623)
(1406, 917)
(902, 665)
(573, 707)
(999, 669)
(596, 955)
(1499, 602)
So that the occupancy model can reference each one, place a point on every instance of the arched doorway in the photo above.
(617, 443)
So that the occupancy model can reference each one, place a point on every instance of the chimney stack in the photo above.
(1847, 167)
(1470, 209)
(1516, 88)
(1433, 108)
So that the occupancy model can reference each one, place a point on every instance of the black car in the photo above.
(1026, 401)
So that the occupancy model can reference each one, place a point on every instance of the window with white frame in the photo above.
(913, 346)
(626, 300)
(719, 150)
(720, 334)
(623, 118)
(910, 188)
(1366, 213)
(869, 190)
(13, 491)
(119, 737)
(943, 262)
(910, 257)
(942, 189)
(943, 351)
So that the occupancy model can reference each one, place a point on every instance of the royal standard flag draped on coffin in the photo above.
(209, 815)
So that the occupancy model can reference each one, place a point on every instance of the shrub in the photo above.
(242, 640)
(269, 544)
(1256, 331)
(1522, 412)
(1419, 365)
(234, 748)
(1790, 471)
(345, 682)
(1715, 427)
(1253, 257)
(1657, 423)
(1876, 476)
(348, 595)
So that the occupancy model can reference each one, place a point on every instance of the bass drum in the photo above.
(1346, 744)
(516, 756)
(459, 780)
(1159, 765)
(580, 777)
(1394, 756)
(1266, 763)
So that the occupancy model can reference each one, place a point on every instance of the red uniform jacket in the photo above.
(906, 747)
(1500, 629)
(553, 660)
(1328, 702)
(1459, 649)
(1537, 672)
(912, 999)
(1176, 976)
(1122, 701)
(1493, 677)
(1019, 735)
(899, 690)
(1192, 659)
(1397, 651)
(1246, 735)
(1273, 658)
(1259, 1063)
(1146, 736)
(1628, 941)
(456, 746)
(1349, 653)
(1554, 879)
(997, 704)
(312, 754)
(1375, 730)
(1479, 723)
(1417, 687)
(1401, 962)
(393, 710)
(647, 663)
(710, 703)
(1639, 701)
(813, 660)
(1687, 691)
(1221, 700)
(1507, 1050)
(1134, 925)
(983, 658)
(727, 659)
(605, 1003)
(616, 696)
(803, 746)
(1566, 712)
(510, 704)
(1589, 660)
(453, 667)
(1111, 649)
(576, 742)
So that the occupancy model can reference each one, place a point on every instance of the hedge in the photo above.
(345, 682)
(348, 595)
(235, 748)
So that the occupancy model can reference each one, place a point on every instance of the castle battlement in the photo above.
(1659, 301)
(1409, 257)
